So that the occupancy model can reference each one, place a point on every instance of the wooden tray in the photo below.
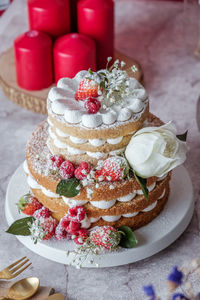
(36, 100)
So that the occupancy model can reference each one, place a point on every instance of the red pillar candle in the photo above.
(33, 59)
(73, 52)
(96, 19)
(49, 16)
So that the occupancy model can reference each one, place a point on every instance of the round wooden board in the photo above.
(36, 100)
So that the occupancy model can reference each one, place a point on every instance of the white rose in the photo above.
(154, 151)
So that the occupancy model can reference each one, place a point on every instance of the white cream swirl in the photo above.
(62, 102)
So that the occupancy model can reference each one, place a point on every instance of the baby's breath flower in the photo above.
(134, 69)
(122, 64)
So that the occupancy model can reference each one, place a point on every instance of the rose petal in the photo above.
(156, 165)
(137, 151)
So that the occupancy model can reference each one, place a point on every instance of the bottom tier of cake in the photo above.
(135, 222)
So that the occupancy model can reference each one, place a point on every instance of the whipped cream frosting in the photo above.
(61, 100)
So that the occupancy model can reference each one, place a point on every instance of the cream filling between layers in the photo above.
(78, 141)
(76, 151)
(99, 204)
(116, 218)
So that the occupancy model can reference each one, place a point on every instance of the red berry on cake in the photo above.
(28, 204)
(114, 168)
(60, 233)
(73, 227)
(43, 212)
(57, 160)
(97, 174)
(76, 213)
(105, 236)
(82, 171)
(49, 226)
(87, 88)
(67, 170)
(64, 222)
(81, 237)
(92, 105)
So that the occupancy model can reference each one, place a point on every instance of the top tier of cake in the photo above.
(81, 136)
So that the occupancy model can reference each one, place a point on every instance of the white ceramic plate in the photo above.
(152, 238)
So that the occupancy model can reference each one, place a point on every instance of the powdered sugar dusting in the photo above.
(38, 153)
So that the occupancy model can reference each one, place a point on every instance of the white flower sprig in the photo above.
(113, 82)
(36, 231)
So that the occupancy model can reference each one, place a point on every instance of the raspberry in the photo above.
(64, 222)
(87, 88)
(82, 171)
(29, 204)
(76, 213)
(57, 160)
(60, 233)
(73, 227)
(92, 105)
(43, 212)
(105, 236)
(67, 169)
(114, 168)
(49, 226)
(81, 237)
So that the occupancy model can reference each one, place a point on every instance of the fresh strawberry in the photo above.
(28, 204)
(81, 237)
(76, 213)
(57, 160)
(60, 233)
(97, 174)
(92, 105)
(43, 212)
(82, 171)
(67, 169)
(114, 168)
(43, 229)
(49, 226)
(105, 236)
(87, 88)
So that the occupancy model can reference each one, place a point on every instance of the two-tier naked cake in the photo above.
(91, 120)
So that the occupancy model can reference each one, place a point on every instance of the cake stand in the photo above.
(152, 238)
(36, 100)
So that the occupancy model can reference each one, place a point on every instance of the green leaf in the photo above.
(21, 226)
(143, 183)
(90, 71)
(182, 137)
(128, 239)
(102, 73)
(68, 187)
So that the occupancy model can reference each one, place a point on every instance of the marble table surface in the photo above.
(155, 35)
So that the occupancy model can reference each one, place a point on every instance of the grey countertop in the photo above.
(154, 33)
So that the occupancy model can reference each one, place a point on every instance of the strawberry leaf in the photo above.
(22, 201)
(143, 183)
(90, 71)
(182, 137)
(128, 239)
(68, 187)
(21, 226)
